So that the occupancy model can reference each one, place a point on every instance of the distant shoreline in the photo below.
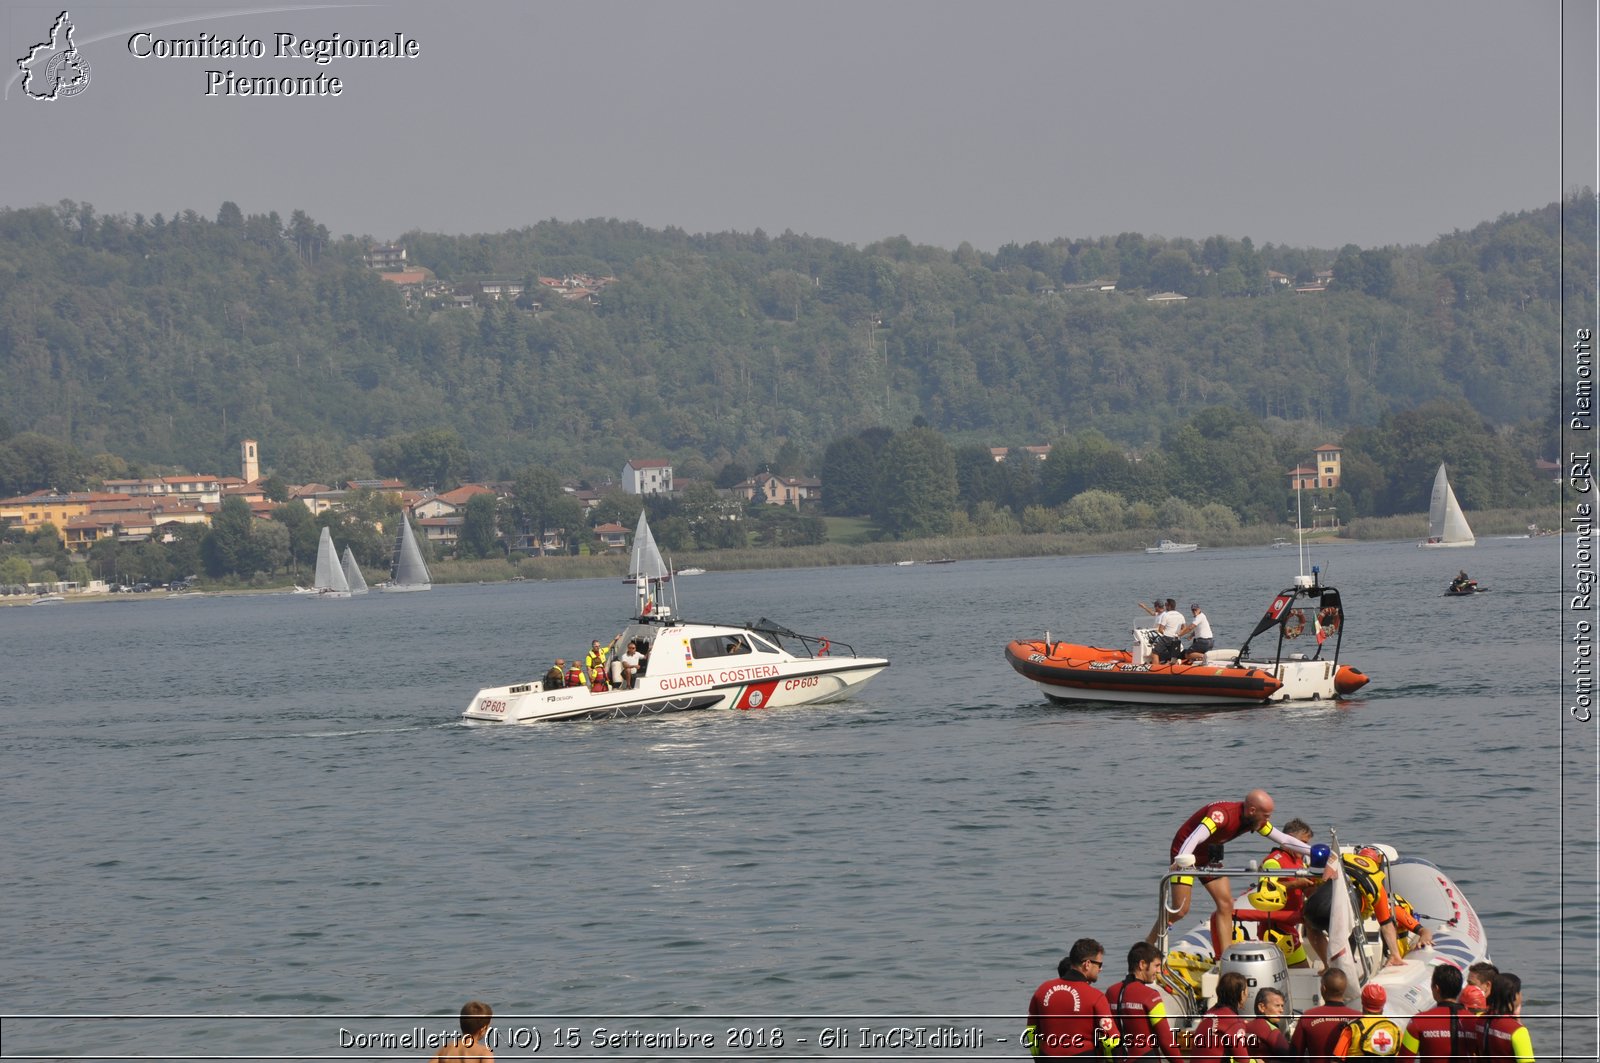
(887, 553)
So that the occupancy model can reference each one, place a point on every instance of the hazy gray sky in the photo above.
(1313, 124)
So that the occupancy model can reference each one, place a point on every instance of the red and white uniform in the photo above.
(1141, 1019)
(1070, 1017)
(1442, 1032)
(1318, 1029)
(1219, 823)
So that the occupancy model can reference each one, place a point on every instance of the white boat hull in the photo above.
(744, 686)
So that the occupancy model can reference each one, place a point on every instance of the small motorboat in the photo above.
(1072, 672)
(48, 599)
(1189, 975)
(1167, 546)
(689, 665)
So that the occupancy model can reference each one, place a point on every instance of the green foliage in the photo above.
(917, 485)
(479, 536)
(14, 571)
(164, 341)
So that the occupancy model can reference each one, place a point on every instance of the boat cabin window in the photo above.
(760, 645)
(719, 646)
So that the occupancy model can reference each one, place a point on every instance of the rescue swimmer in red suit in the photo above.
(1203, 836)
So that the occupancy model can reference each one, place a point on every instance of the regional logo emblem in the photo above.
(55, 69)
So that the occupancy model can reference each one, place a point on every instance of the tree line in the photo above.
(164, 340)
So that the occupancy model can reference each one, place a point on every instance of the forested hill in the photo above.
(166, 340)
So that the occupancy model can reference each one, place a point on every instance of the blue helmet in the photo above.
(1320, 854)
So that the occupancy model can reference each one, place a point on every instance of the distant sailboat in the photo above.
(410, 571)
(330, 581)
(1447, 525)
(352, 573)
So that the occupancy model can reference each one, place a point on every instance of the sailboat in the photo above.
(1447, 525)
(330, 581)
(352, 573)
(410, 571)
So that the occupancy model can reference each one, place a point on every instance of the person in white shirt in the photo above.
(1200, 627)
(1169, 626)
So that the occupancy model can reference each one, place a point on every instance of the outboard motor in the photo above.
(1262, 965)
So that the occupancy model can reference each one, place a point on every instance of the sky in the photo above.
(1370, 122)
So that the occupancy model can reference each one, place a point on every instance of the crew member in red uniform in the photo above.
(1264, 1036)
(1280, 900)
(1220, 1032)
(1504, 1036)
(1140, 1014)
(1203, 836)
(1068, 1017)
(1446, 1030)
(1319, 1027)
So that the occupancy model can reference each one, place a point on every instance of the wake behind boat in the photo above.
(689, 665)
(1073, 672)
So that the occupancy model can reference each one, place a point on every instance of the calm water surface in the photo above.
(266, 805)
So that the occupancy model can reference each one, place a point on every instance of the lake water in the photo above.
(265, 805)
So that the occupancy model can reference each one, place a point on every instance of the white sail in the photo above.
(330, 577)
(649, 572)
(410, 571)
(352, 573)
(646, 562)
(1447, 525)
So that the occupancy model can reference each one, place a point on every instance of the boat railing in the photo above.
(812, 645)
(1177, 986)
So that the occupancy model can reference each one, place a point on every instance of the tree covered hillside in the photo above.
(166, 340)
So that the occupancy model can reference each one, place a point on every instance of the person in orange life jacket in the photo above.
(1366, 873)
(575, 676)
(1138, 1010)
(1446, 1030)
(1067, 1016)
(1371, 1033)
(1319, 1027)
(1504, 1036)
(1202, 836)
(1220, 1033)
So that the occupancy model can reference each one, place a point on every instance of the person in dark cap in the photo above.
(1200, 627)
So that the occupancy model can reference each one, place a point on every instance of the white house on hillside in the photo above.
(647, 477)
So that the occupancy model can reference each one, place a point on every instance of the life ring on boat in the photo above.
(1296, 624)
(823, 647)
(1329, 619)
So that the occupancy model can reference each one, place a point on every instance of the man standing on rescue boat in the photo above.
(1203, 836)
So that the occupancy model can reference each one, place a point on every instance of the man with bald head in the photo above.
(1203, 836)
